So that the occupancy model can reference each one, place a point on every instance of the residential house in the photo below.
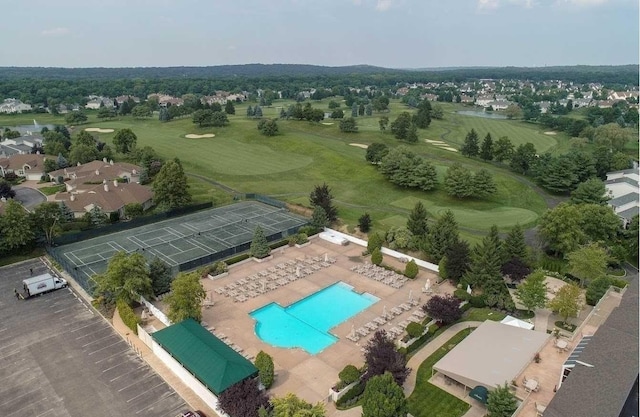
(499, 104)
(623, 95)
(109, 198)
(544, 106)
(582, 102)
(622, 188)
(19, 146)
(122, 99)
(84, 177)
(429, 97)
(466, 99)
(13, 105)
(95, 102)
(484, 100)
(605, 104)
(29, 166)
(165, 100)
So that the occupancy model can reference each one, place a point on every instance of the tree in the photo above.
(592, 191)
(400, 127)
(125, 140)
(632, 237)
(486, 260)
(501, 402)
(348, 125)
(229, 108)
(96, 216)
(375, 242)
(417, 221)
(5, 190)
(141, 111)
(560, 228)
(186, 297)
(588, 262)
(170, 187)
(380, 356)
(337, 114)
(514, 245)
(502, 149)
(532, 292)
(483, 184)
(243, 399)
(411, 270)
(513, 112)
(486, 149)
(458, 181)
(62, 161)
(126, 278)
(132, 210)
(516, 269)
(219, 119)
(264, 363)
(376, 257)
(470, 147)
(15, 229)
(259, 245)
(321, 196)
(444, 309)
(364, 223)
(75, 118)
(441, 236)
(106, 113)
(383, 397)
(422, 118)
(292, 406)
(82, 153)
(160, 274)
(368, 110)
(249, 111)
(596, 289)
(319, 218)
(612, 136)
(383, 123)
(558, 175)
(523, 158)
(567, 302)
(376, 151)
(437, 112)
(457, 260)
(354, 110)
(47, 218)
(268, 127)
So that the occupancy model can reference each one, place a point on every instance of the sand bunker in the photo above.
(327, 123)
(433, 141)
(550, 133)
(359, 145)
(450, 149)
(194, 136)
(99, 130)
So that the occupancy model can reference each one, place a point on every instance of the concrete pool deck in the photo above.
(309, 376)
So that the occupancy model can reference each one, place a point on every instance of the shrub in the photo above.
(308, 230)
(376, 257)
(478, 301)
(238, 258)
(351, 396)
(264, 363)
(292, 240)
(128, 316)
(375, 241)
(349, 374)
(462, 295)
(415, 329)
(411, 270)
(596, 289)
(302, 238)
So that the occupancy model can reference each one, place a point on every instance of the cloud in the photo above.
(585, 2)
(231, 47)
(55, 32)
(383, 5)
(488, 4)
(527, 4)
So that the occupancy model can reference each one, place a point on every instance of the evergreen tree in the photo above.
(486, 261)
(441, 236)
(376, 257)
(483, 184)
(592, 191)
(401, 126)
(486, 149)
(422, 119)
(170, 187)
(501, 402)
(470, 147)
(354, 110)
(523, 158)
(424, 176)
(503, 149)
(321, 196)
(250, 111)
(257, 111)
(457, 260)
(259, 245)
(364, 223)
(160, 274)
(383, 397)
(368, 110)
(514, 245)
(163, 115)
(229, 108)
(319, 218)
(458, 181)
(417, 221)
(412, 134)
(62, 161)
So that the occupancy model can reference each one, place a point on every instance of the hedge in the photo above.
(478, 301)
(349, 374)
(415, 329)
(237, 258)
(351, 396)
(128, 316)
(462, 295)
(264, 363)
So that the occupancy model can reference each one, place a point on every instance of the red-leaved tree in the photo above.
(444, 309)
(380, 356)
(243, 399)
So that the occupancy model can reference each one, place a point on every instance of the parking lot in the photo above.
(58, 357)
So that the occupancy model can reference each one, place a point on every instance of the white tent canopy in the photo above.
(512, 321)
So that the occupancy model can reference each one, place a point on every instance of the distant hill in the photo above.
(579, 73)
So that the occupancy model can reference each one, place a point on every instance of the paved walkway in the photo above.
(541, 319)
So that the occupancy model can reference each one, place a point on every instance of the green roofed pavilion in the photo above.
(208, 358)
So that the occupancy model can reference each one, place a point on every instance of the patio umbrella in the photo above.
(468, 289)
(353, 331)
(384, 311)
(326, 257)
(427, 285)
(480, 393)
(410, 295)
(264, 285)
(298, 272)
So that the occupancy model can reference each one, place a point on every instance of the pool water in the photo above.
(306, 323)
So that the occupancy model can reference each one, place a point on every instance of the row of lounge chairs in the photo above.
(417, 316)
(273, 278)
(377, 273)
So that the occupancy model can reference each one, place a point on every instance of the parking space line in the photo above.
(115, 354)
(104, 347)
(151, 375)
(89, 334)
(164, 397)
(10, 354)
(97, 340)
(15, 398)
(46, 412)
(112, 367)
(28, 404)
(128, 372)
(142, 393)
(10, 344)
(80, 328)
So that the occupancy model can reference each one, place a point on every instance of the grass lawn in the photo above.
(482, 314)
(11, 259)
(427, 400)
(52, 190)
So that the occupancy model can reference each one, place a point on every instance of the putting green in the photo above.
(479, 219)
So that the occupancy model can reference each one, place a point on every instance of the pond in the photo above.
(34, 128)
(486, 115)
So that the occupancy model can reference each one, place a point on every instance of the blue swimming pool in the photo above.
(306, 323)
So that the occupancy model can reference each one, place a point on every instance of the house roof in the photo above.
(208, 358)
(491, 355)
(512, 321)
(111, 199)
(629, 213)
(624, 199)
(34, 161)
(603, 386)
(97, 171)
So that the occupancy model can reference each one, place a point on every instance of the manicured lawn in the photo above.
(482, 314)
(52, 190)
(427, 400)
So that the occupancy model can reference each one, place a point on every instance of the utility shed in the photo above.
(211, 361)
(491, 355)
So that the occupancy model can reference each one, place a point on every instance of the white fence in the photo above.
(155, 311)
(387, 251)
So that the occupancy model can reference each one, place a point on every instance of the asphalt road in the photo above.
(29, 197)
(60, 358)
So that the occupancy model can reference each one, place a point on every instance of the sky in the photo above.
(386, 33)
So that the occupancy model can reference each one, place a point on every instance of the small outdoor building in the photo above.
(202, 361)
(512, 321)
(491, 355)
